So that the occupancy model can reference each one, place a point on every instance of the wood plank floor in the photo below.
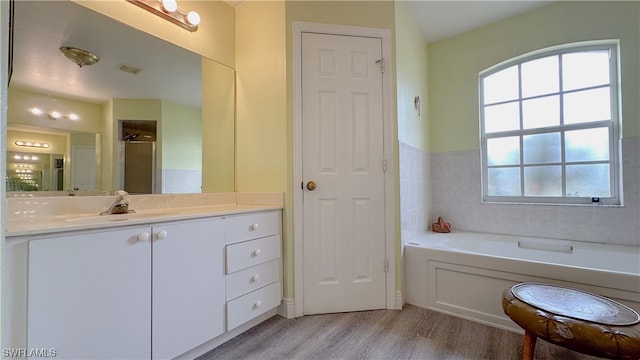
(412, 333)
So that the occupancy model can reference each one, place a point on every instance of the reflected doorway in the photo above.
(138, 143)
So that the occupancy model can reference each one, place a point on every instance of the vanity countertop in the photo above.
(38, 222)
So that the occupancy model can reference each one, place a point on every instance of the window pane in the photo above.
(503, 182)
(501, 117)
(503, 151)
(585, 69)
(540, 76)
(588, 180)
(587, 106)
(501, 86)
(541, 148)
(543, 181)
(587, 145)
(541, 112)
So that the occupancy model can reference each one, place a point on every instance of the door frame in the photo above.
(393, 299)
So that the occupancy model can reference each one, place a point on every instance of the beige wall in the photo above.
(261, 112)
(454, 63)
(181, 137)
(412, 80)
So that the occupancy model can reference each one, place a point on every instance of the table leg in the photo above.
(529, 345)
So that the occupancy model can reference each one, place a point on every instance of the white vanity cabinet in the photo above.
(156, 290)
(253, 266)
(89, 295)
(138, 293)
(187, 287)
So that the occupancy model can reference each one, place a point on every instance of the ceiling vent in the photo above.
(130, 69)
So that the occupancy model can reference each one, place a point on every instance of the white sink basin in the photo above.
(97, 219)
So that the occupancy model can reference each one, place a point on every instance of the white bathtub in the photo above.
(464, 274)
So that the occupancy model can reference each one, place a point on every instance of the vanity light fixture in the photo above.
(168, 10)
(35, 144)
(79, 56)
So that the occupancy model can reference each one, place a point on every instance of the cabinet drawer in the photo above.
(253, 252)
(252, 226)
(247, 307)
(247, 280)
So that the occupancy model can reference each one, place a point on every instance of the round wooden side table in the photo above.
(574, 319)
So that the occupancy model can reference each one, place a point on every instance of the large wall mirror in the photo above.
(147, 111)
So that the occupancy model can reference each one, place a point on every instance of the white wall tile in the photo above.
(456, 195)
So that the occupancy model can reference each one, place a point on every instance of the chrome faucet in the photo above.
(120, 206)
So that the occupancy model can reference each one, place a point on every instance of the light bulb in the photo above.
(73, 117)
(56, 115)
(36, 111)
(19, 143)
(193, 18)
(169, 5)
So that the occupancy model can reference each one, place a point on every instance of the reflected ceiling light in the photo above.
(79, 56)
(168, 10)
(35, 144)
(25, 157)
(55, 114)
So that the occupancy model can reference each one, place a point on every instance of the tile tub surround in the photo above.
(179, 181)
(456, 195)
(39, 211)
(414, 188)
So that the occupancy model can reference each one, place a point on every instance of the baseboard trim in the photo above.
(287, 308)
(399, 301)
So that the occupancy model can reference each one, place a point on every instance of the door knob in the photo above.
(311, 185)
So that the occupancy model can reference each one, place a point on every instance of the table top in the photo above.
(575, 304)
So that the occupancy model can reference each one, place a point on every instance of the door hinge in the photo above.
(382, 65)
(386, 265)
(384, 165)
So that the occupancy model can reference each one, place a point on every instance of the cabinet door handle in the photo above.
(257, 304)
(253, 227)
(255, 278)
(144, 236)
(256, 252)
(161, 234)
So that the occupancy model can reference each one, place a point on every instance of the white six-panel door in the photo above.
(343, 155)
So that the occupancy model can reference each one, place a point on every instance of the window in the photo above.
(549, 126)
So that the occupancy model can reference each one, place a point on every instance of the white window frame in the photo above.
(614, 128)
